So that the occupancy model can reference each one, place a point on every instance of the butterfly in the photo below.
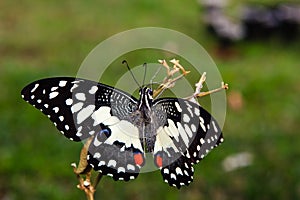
(177, 133)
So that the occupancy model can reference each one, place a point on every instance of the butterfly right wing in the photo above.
(186, 133)
(80, 109)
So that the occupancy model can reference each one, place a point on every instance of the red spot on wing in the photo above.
(158, 161)
(138, 159)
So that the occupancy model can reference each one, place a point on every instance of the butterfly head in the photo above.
(146, 97)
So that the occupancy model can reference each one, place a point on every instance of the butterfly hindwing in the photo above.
(115, 158)
(186, 133)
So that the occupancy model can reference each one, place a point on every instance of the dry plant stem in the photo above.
(84, 169)
(83, 164)
(199, 86)
(176, 64)
(168, 82)
(223, 87)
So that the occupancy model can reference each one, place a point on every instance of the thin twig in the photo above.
(168, 82)
(199, 86)
(223, 87)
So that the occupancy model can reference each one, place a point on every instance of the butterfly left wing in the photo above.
(186, 132)
(81, 108)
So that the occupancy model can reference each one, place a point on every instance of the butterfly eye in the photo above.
(150, 91)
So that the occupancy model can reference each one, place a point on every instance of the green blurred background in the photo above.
(51, 38)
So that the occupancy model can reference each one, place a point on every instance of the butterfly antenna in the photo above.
(154, 76)
(145, 71)
(125, 62)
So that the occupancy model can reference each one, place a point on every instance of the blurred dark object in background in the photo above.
(264, 21)
(220, 25)
(257, 21)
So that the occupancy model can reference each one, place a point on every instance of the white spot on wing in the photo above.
(215, 127)
(73, 87)
(35, 87)
(78, 134)
(197, 111)
(166, 171)
(97, 155)
(92, 132)
(69, 102)
(76, 107)
(193, 127)
(190, 111)
(101, 163)
(178, 171)
(93, 89)
(130, 167)
(121, 169)
(62, 83)
(85, 113)
(173, 176)
(53, 89)
(53, 95)
(188, 130)
(183, 134)
(201, 120)
(186, 118)
(111, 163)
(202, 141)
(203, 126)
(178, 107)
(56, 109)
(97, 142)
(80, 96)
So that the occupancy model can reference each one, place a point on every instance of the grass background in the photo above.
(51, 38)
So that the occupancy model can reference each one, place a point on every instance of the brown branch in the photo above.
(199, 86)
(223, 87)
(84, 169)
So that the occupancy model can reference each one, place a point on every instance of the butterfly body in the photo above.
(178, 133)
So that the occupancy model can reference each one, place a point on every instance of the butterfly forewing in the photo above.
(77, 106)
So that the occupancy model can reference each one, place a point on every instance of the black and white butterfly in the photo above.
(177, 132)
